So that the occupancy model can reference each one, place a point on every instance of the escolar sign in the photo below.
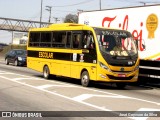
(46, 55)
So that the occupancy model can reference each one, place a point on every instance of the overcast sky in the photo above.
(30, 9)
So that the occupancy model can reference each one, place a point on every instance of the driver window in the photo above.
(88, 40)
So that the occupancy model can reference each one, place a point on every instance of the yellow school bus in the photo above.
(83, 52)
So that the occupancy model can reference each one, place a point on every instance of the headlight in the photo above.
(20, 58)
(104, 66)
(137, 67)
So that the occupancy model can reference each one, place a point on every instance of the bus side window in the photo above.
(76, 40)
(64, 40)
(59, 39)
(91, 42)
(34, 39)
(45, 39)
(68, 40)
(88, 41)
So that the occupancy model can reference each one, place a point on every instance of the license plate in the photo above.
(121, 75)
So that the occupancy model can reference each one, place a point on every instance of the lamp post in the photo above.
(41, 13)
(49, 8)
(100, 4)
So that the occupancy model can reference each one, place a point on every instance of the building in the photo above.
(20, 38)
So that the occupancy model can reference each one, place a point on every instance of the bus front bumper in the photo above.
(118, 76)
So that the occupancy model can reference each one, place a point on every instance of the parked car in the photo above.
(16, 56)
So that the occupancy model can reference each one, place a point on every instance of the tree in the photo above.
(70, 18)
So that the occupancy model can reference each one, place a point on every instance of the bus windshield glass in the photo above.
(116, 42)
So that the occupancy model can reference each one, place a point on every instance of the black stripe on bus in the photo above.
(85, 57)
(49, 55)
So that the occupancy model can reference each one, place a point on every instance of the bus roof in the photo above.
(65, 26)
(60, 26)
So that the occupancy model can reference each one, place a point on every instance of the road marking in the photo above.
(51, 85)
(80, 100)
(82, 97)
(22, 78)
(87, 96)
(6, 73)
(54, 93)
(44, 86)
(73, 99)
(86, 89)
(5, 78)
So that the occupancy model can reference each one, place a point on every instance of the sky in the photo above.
(31, 9)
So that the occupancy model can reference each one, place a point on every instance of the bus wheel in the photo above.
(85, 79)
(121, 85)
(46, 72)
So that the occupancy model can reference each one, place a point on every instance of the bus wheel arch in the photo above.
(85, 78)
(46, 72)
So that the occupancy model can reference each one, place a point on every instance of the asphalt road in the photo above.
(22, 89)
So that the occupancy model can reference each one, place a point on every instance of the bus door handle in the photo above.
(85, 51)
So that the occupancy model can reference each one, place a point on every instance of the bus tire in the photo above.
(85, 79)
(46, 72)
(121, 85)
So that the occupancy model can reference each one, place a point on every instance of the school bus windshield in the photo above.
(116, 42)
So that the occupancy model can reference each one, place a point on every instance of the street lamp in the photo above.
(41, 13)
(100, 4)
(49, 8)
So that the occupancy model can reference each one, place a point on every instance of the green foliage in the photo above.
(70, 18)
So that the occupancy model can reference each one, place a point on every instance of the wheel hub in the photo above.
(85, 78)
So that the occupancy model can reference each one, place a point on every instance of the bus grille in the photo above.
(120, 78)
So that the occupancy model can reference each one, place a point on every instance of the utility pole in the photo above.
(100, 4)
(56, 19)
(12, 40)
(41, 13)
(49, 8)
